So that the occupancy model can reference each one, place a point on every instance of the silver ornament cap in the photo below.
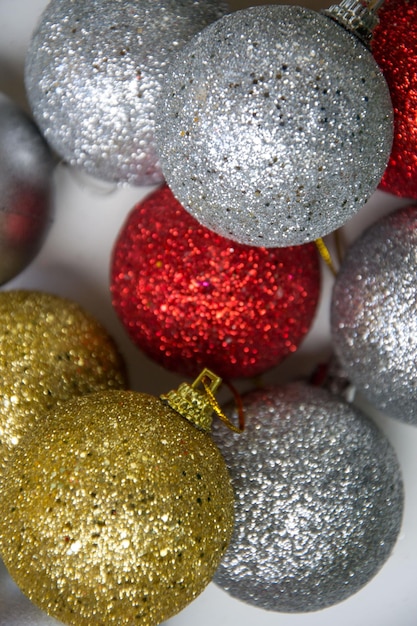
(359, 18)
(93, 74)
(319, 500)
(275, 125)
(26, 168)
(374, 314)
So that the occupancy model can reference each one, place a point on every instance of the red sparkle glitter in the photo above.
(394, 46)
(190, 298)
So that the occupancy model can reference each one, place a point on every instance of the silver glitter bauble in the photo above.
(319, 500)
(275, 126)
(374, 314)
(26, 167)
(93, 74)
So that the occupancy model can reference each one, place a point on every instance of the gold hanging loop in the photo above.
(325, 255)
(217, 410)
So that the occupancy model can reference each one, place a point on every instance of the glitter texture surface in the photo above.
(116, 510)
(26, 167)
(276, 126)
(190, 298)
(93, 75)
(319, 500)
(50, 351)
(374, 315)
(395, 48)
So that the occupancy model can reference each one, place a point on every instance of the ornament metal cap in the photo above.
(196, 402)
(357, 17)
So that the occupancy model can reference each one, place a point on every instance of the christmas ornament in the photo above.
(50, 350)
(93, 74)
(189, 297)
(394, 46)
(319, 500)
(26, 167)
(276, 123)
(116, 509)
(374, 316)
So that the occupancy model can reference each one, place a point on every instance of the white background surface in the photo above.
(74, 262)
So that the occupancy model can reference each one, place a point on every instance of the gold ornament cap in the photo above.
(197, 402)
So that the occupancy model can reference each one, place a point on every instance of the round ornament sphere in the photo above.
(93, 75)
(276, 125)
(394, 46)
(374, 315)
(319, 500)
(50, 350)
(115, 510)
(26, 167)
(190, 298)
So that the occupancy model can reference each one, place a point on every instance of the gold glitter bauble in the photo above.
(50, 351)
(117, 510)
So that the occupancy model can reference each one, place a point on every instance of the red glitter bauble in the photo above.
(190, 298)
(394, 46)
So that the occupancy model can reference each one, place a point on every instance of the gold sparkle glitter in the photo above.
(117, 511)
(50, 351)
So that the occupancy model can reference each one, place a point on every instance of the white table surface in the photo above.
(74, 262)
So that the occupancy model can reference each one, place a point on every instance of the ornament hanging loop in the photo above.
(216, 408)
(325, 255)
(198, 405)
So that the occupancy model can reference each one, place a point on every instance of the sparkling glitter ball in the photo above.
(50, 350)
(116, 510)
(395, 48)
(319, 500)
(374, 314)
(190, 298)
(93, 74)
(276, 125)
(26, 167)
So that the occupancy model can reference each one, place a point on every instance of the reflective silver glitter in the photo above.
(276, 126)
(374, 314)
(93, 74)
(319, 500)
(26, 167)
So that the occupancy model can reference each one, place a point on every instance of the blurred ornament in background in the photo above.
(394, 46)
(276, 124)
(93, 76)
(331, 376)
(190, 298)
(374, 314)
(115, 510)
(50, 350)
(26, 168)
(319, 500)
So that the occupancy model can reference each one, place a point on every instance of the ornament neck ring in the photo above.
(198, 405)
(356, 17)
